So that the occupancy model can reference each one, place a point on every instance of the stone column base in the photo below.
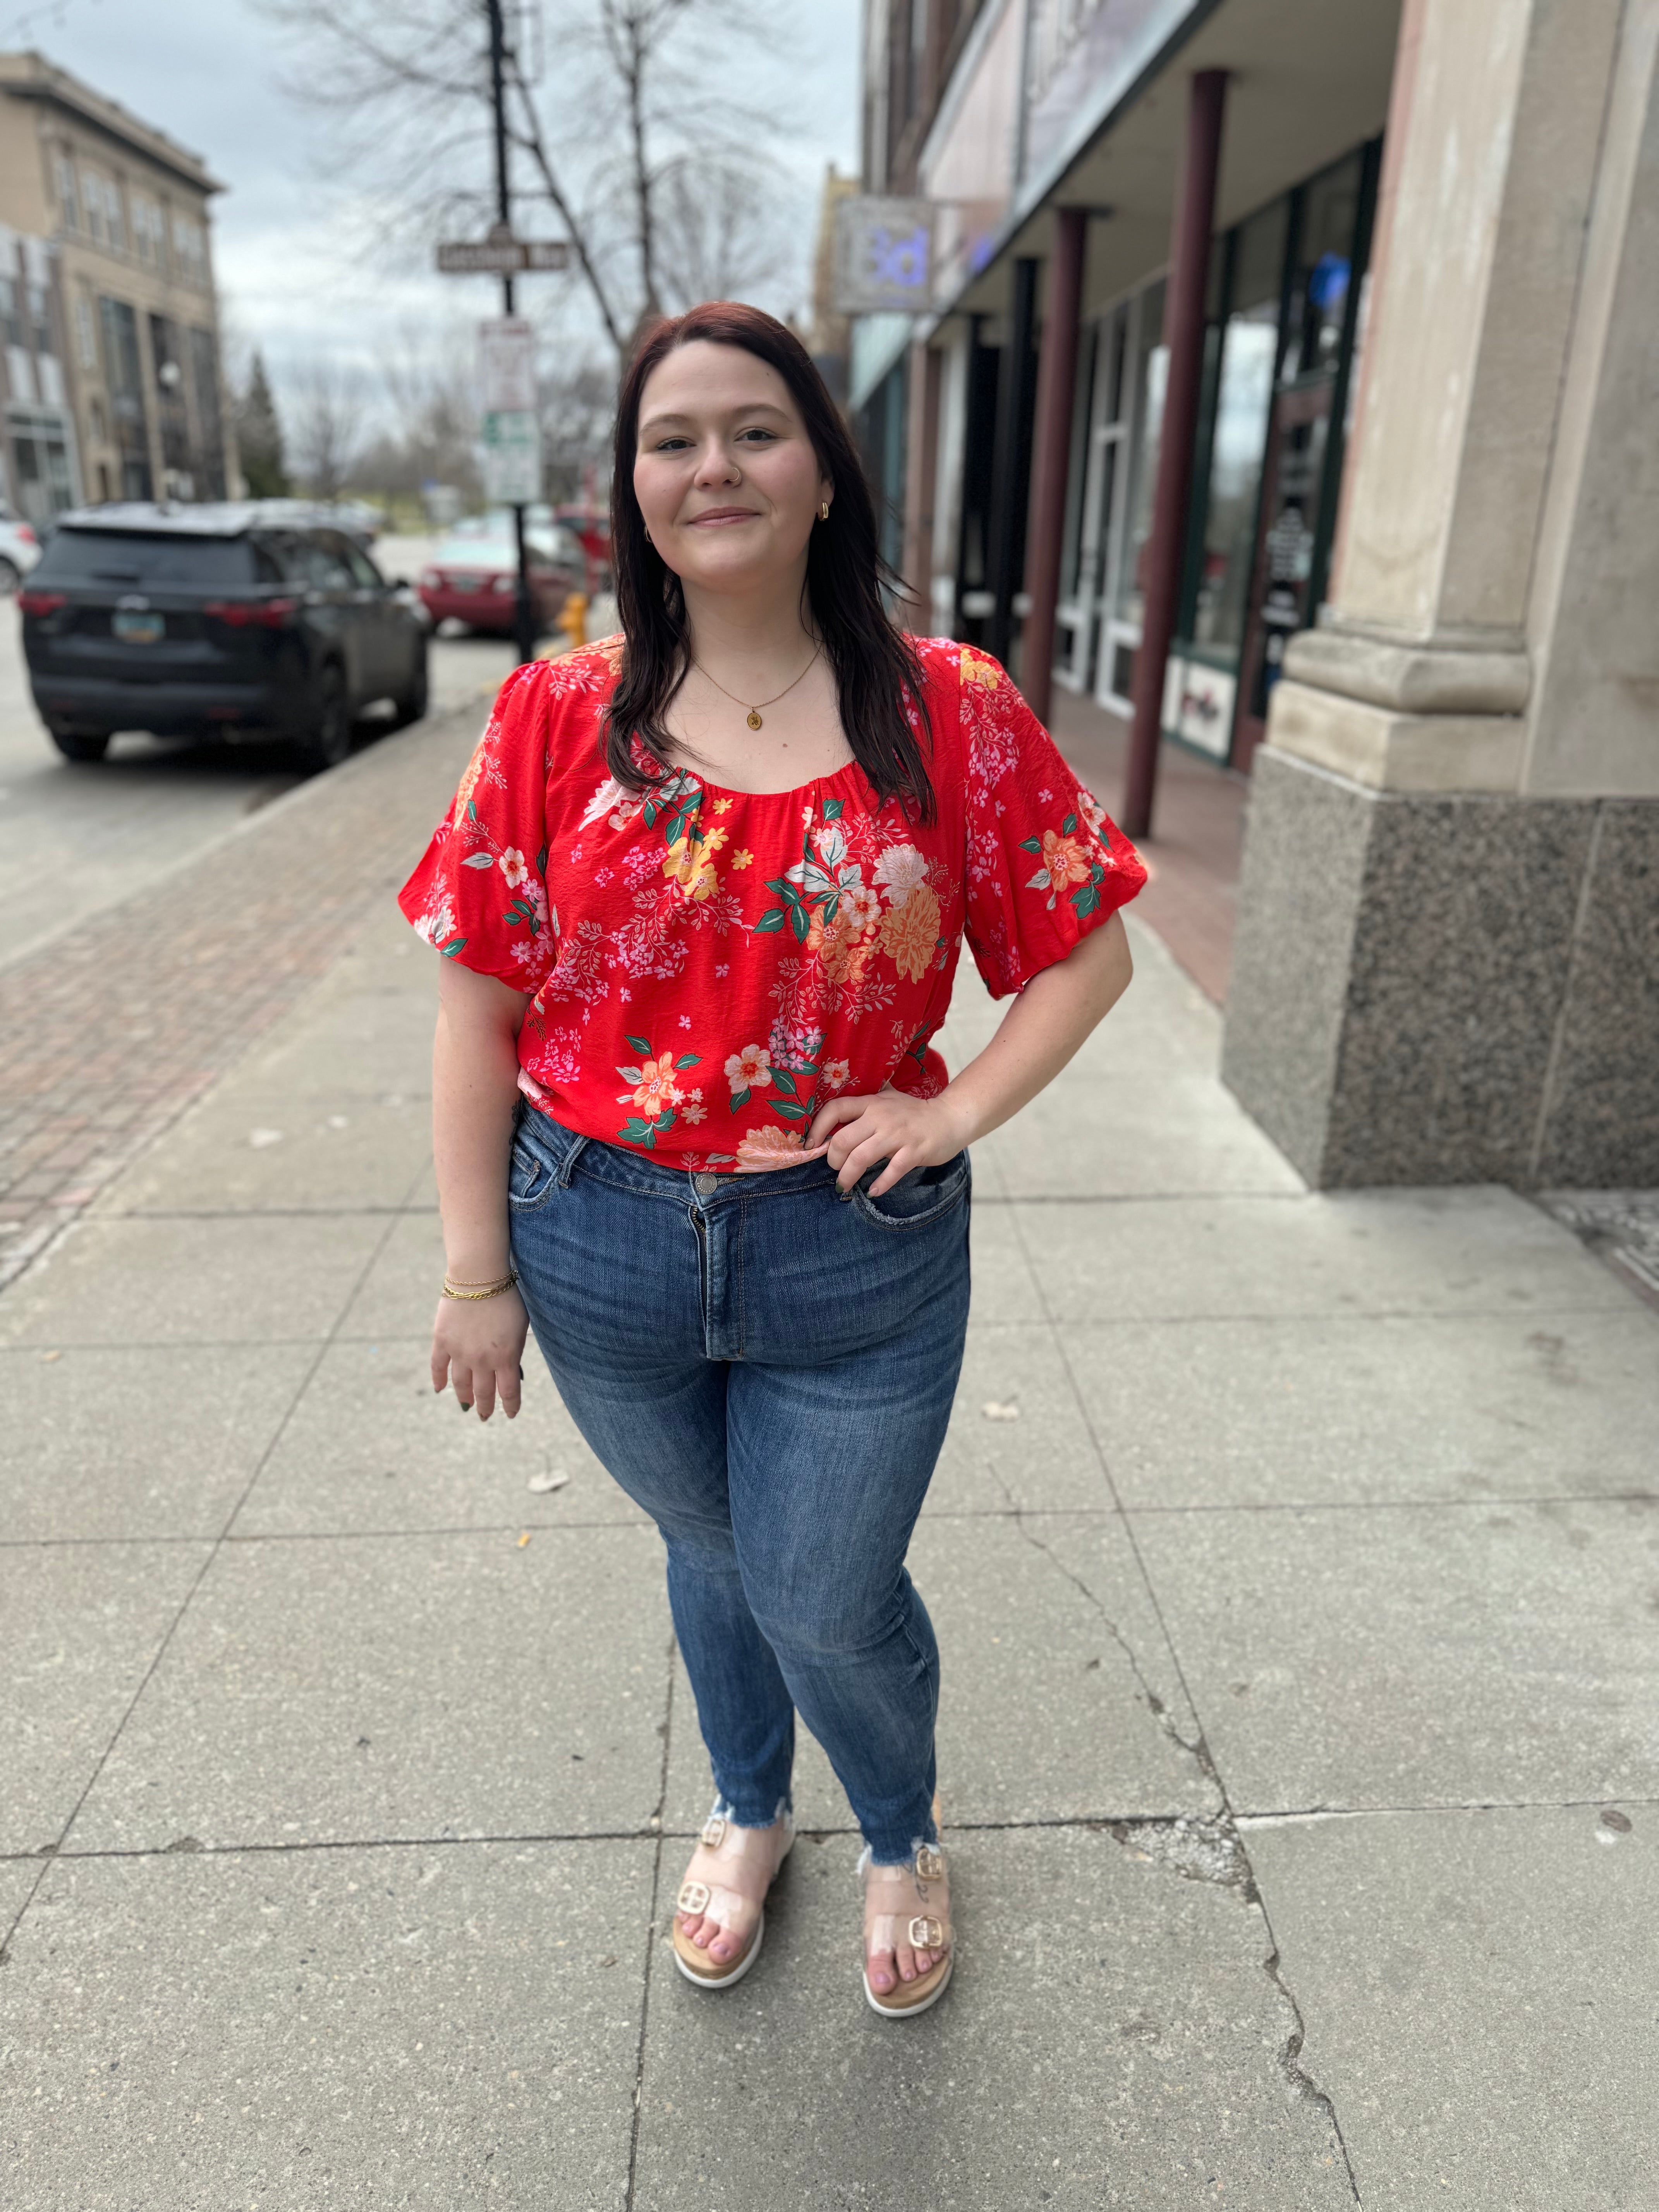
(1447, 988)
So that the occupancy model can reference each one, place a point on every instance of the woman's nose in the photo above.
(716, 465)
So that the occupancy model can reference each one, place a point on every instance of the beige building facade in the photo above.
(1286, 387)
(109, 334)
(1448, 960)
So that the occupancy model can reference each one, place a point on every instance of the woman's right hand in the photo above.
(477, 1345)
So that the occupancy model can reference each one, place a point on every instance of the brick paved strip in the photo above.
(107, 1034)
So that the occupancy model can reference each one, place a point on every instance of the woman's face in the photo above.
(724, 470)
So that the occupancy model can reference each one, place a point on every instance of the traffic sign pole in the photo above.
(524, 612)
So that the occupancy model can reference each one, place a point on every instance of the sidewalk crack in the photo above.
(1197, 1749)
(1212, 1851)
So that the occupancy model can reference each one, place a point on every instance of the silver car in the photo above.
(20, 550)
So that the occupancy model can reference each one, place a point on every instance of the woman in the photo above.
(702, 894)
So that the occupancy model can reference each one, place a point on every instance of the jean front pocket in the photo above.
(529, 1176)
(918, 1200)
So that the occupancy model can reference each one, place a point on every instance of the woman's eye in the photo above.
(671, 445)
(766, 436)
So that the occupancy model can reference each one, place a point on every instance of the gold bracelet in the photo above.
(480, 1290)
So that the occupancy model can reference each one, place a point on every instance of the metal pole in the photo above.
(524, 612)
(1056, 391)
(1184, 336)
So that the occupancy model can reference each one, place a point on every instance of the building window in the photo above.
(190, 249)
(205, 375)
(86, 333)
(148, 237)
(69, 204)
(125, 372)
(40, 451)
(102, 200)
(99, 420)
(39, 307)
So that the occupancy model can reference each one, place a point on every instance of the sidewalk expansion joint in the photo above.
(650, 1939)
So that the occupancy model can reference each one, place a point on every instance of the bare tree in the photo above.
(608, 148)
(326, 415)
(717, 222)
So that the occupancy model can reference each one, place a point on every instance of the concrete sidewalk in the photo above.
(1300, 1748)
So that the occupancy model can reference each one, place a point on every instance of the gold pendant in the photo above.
(754, 719)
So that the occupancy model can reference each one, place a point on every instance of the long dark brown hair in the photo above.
(875, 671)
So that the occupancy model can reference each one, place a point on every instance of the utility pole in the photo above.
(524, 612)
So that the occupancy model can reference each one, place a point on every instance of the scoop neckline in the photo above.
(796, 791)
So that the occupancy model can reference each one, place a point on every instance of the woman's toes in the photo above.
(880, 1971)
(907, 1963)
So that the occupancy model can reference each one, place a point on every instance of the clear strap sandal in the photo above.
(749, 1859)
(910, 1905)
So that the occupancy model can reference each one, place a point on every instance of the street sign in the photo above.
(501, 257)
(512, 457)
(884, 255)
(506, 366)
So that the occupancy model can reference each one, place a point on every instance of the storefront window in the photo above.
(1249, 352)
(1152, 370)
(1324, 269)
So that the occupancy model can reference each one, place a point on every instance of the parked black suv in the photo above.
(215, 622)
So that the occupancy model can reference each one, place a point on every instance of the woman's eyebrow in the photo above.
(748, 407)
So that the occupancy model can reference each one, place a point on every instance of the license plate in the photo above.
(134, 628)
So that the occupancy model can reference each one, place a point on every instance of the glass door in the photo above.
(1281, 588)
(1131, 439)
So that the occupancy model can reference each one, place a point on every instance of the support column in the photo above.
(1051, 453)
(1010, 461)
(1184, 335)
(1447, 961)
(920, 488)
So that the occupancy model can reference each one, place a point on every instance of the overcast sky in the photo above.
(288, 243)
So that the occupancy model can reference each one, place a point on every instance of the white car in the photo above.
(20, 550)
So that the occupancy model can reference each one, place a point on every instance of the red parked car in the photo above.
(474, 579)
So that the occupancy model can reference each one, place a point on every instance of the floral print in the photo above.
(801, 944)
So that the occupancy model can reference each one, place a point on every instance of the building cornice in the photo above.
(31, 76)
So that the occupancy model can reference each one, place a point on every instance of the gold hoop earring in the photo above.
(824, 511)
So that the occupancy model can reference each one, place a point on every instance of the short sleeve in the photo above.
(1045, 866)
(479, 895)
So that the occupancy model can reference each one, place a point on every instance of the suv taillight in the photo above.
(41, 602)
(252, 614)
(26, 534)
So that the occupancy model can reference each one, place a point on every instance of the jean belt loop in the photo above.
(578, 1147)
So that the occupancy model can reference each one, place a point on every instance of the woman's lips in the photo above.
(721, 514)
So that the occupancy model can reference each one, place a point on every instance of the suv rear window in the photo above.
(125, 556)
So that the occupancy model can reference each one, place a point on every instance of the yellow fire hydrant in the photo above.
(573, 621)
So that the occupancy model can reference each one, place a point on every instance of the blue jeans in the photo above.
(767, 1369)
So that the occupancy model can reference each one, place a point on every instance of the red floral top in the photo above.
(706, 966)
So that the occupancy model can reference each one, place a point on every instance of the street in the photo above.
(75, 840)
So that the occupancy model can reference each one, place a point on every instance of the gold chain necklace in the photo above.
(754, 712)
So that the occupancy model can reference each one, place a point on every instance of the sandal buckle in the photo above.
(693, 1897)
(714, 1831)
(926, 1934)
(930, 1864)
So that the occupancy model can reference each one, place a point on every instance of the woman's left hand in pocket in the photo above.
(889, 1125)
